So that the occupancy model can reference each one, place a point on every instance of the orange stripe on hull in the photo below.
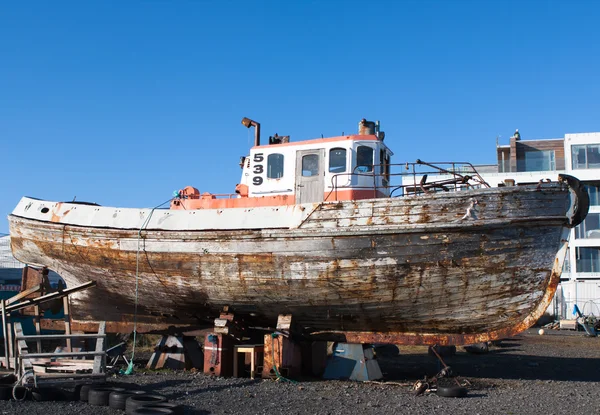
(207, 201)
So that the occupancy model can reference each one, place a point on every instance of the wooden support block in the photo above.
(281, 355)
(218, 354)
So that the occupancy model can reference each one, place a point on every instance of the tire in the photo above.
(477, 348)
(84, 390)
(48, 394)
(117, 399)
(99, 396)
(177, 409)
(137, 401)
(9, 379)
(452, 391)
(149, 410)
(443, 351)
(5, 392)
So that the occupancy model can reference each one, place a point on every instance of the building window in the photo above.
(593, 190)
(585, 156)
(590, 228)
(537, 160)
(275, 166)
(337, 160)
(310, 165)
(364, 159)
(587, 260)
(567, 264)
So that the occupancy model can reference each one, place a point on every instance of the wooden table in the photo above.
(255, 351)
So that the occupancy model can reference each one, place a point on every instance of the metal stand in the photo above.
(176, 352)
(117, 353)
(352, 362)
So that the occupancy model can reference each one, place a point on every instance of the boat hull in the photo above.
(445, 269)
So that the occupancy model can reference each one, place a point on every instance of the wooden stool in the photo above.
(256, 353)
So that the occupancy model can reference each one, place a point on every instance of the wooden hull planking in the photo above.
(444, 268)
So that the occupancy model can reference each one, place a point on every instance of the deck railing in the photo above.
(449, 176)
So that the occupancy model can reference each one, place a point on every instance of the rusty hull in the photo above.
(413, 270)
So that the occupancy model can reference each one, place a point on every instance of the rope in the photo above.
(14, 390)
(280, 377)
(129, 370)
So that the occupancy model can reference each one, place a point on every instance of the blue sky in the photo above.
(123, 102)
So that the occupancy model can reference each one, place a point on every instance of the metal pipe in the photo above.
(247, 122)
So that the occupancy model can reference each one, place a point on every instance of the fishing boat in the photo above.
(330, 231)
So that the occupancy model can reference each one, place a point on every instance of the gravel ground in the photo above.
(556, 373)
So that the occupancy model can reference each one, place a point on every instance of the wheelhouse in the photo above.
(349, 167)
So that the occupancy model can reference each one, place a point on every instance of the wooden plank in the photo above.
(100, 359)
(12, 344)
(68, 368)
(38, 331)
(23, 350)
(60, 336)
(51, 296)
(5, 335)
(37, 369)
(23, 294)
(65, 354)
(71, 362)
(70, 375)
(67, 312)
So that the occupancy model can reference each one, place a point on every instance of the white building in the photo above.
(11, 271)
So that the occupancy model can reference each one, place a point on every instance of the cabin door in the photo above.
(310, 176)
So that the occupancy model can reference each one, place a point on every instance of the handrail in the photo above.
(61, 354)
(59, 336)
(449, 175)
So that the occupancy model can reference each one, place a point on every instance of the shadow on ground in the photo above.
(512, 360)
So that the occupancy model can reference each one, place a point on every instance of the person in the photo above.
(516, 135)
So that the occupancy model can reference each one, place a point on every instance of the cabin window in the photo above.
(275, 166)
(310, 165)
(586, 156)
(364, 159)
(337, 160)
